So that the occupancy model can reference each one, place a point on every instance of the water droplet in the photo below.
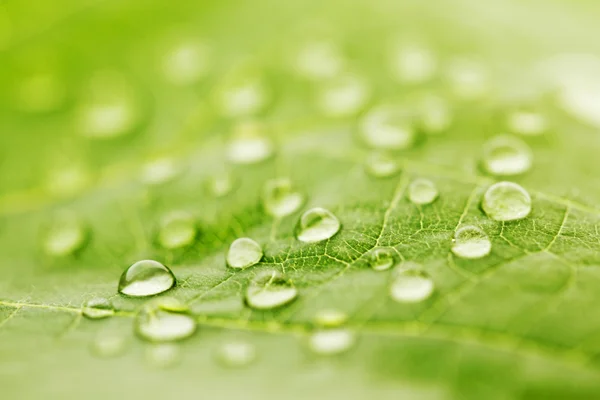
(160, 171)
(146, 278)
(236, 354)
(422, 191)
(506, 155)
(527, 122)
(471, 242)
(411, 285)
(177, 230)
(242, 95)
(381, 258)
(244, 253)
(413, 63)
(468, 78)
(319, 60)
(163, 355)
(221, 185)
(342, 96)
(331, 341)
(66, 235)
(330, 317)
(280, 198)
(388, 128)
(381, 165)
(506, 201)
(98, 308)
(316, 225)
(187, 62)
(159, 325)
(42, 92)
(270, 289)
(108, 345)
(249, 145)
(167, 303)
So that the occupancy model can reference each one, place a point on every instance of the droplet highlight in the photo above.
(270, 289)
(249, 144)
(316, 225)
(65, 236)
(381, 258)
(236, 354)
(186, 62)
(163, 355)
(471, 242)
(506, 201)
(411, 285)
(177, 230)
(422, 191)
(382, 165)
(413, 63)
(331, 341)
(506, 156)
(330, 317)
(527, 122)
(280, 198)
(98, 308)
(342, 96)
(388, 128)
(244, 253)
(146, 278)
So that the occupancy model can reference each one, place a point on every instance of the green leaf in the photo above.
(520, 322)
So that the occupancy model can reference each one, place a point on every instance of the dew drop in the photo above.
(411, 285)
(388, 128)
(506, 155)
(158, 325)
(146, 278)
(342, 96)
(413, 64)
(527, 123)
(270, 289)
(66, 235)
(330, 317)
(249, 144)
(381, 258)
(381, 165)
(471, 242)
(506, 201)
(163, 355)
(319, 60)
(108, 345)
(98, 308)
(331, 341)
(177, 230)
(236, 354)
(186, 63)
(316, 225)
(422, 191)
(244, 253)
(280, 198)
(166, 303)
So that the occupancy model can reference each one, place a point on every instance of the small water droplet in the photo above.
(249, 144)
(108, 345)
(331, 341)
(242, 95)
(167, 303)
(471, 242)
(506, 201)
(422, 191)
(160, 171)
(526, 122)
(163, 355)
(98, 308)
(221, 185)
(270, 289)
(146, 278)
(66, 235)
(381, 258)
(236, 354)
(411, 284)
(319, 60)
(342, 96)
(158, 325)
(244, 253)
(381, 165)
(388, 128)
(413, 63)
(187, 62)
(316, 225)
(280, 199)
(330, 317)
(506, 155)
(177, 230)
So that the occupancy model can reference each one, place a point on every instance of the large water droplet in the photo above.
(66, 235)
(411, 285)
(388, 127)
(146, 278)
(244, 253)
(506, 201)
(422, 191)
(342, 96)
(526, 122)
(108, 345)
(506, 155)
(280, 198)
(381, 165)
(413, 63)
(249, 144)
(177, 230)
(158, 325)
(236, 354)
(98, 308)
(471, 242)
(163, 355)
(316, 225)
(187, 62)
(331, 341)
(270, 289)
(330, 317)
(319, 60)
(381, 258)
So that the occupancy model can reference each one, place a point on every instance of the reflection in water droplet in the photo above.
(422, 191)
(163, 355)
(411, 284)
(388, 128)
(146, 278)
(471, 242)
(413, 63)
(236, 354)
(244, 253)
(186, 63)
(342, 96)
(316, 225)
(381, 165)
(381, 258)
(330, 317)
(468, 78)
(506, 155)
(319, 60)
(160, 171)
(42, 92)
(270, 289)
(280, 198)
(506, 201)
(159, 325)
(220, 185)
(66, 235)
(331, 341)
(108, 344)
(249, 144)
(98, 308)
(527, 123)
(177, 230)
